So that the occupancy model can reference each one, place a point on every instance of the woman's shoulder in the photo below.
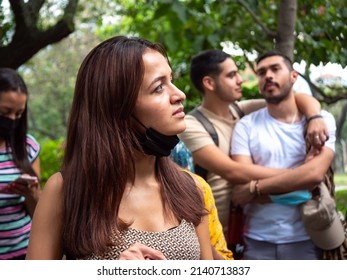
(54, 185)
(199, 181)
(31, 138)
(33, 144)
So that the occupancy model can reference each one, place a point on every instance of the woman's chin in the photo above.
(182, 129)
(175, 129)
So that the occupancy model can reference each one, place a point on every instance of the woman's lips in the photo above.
(179, 113)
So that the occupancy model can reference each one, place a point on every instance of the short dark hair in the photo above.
(270, 53)
(206, 63)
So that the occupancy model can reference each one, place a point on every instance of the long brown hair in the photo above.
(10, 80)
(101, 145)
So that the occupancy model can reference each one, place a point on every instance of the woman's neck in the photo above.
(144, 167)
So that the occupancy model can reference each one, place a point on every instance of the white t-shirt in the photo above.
(196, 137)
(275, 144)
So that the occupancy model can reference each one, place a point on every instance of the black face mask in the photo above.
(156, 144)
(7, 127)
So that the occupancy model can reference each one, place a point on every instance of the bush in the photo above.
(51, 157)
(341, 201)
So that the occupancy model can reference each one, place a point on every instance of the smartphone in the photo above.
(24, 180)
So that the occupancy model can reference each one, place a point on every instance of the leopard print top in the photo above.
(178, 243)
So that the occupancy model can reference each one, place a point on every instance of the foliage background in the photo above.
(341, 201)
(185, 27)
(51, 156)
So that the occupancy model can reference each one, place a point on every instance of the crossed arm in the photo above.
(306, 176)
(216, 161)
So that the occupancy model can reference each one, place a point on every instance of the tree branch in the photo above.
(28, 39)
(269, 32)
(42, 131)
(17, 9)
(320, 95)
(250, 63)
(33, 9)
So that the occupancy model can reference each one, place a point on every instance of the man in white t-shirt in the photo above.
(274, 137)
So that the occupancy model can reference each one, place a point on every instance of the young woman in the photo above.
(19, 154)
(117, 184)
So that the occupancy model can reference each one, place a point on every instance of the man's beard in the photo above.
(279, 98)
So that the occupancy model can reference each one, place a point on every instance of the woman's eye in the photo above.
(158, 88)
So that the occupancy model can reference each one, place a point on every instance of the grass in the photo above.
(340, 179)
(341, 196)
(341, 201)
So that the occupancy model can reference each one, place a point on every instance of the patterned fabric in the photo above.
(15, 222)
(178, 243)
(182, 156)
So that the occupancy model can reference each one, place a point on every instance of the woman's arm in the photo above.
(204, 239)
(34, 193)
(202, 230)
(31, 192)
(45, 241)
(217, 238)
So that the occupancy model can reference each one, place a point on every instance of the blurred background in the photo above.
(46, 40)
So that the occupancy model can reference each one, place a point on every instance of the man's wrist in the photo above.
(254, 188)
(314, 117)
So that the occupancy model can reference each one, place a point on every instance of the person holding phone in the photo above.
(19, 167)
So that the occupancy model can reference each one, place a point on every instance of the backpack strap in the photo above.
(238, 110)
(206, 124)
(202, 172)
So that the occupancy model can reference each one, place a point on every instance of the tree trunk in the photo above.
(341, 120)
(285, 39)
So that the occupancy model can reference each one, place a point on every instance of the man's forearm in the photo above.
(308, 105)
(306, 176)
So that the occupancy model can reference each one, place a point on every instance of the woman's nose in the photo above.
(178, 95)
